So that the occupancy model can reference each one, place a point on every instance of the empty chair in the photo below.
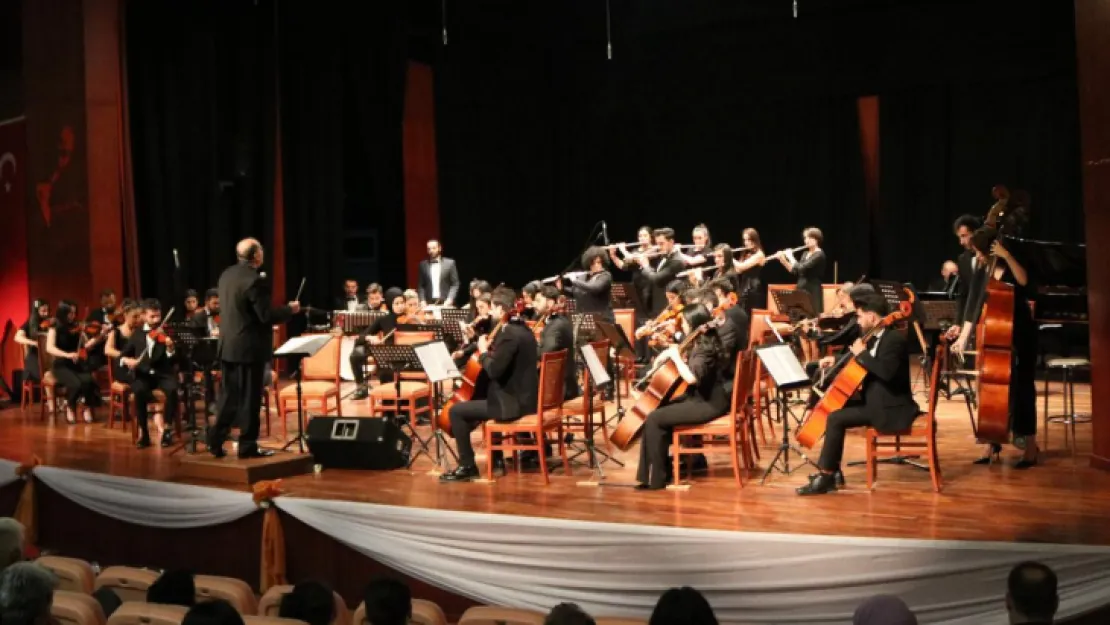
(491, 615)
(234, 591)
(423, 613)
(73, 574)
(129, 583)
(270, 605)
(136, 613)
(76, 608)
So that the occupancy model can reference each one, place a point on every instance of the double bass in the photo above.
(849, 378)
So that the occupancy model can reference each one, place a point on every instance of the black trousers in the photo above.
(78, 384)
(851, 416)
(143, 389)
(240, 402)
(1023, 390)
(658, 429)
(465, 417)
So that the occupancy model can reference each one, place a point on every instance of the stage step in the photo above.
(231, 470)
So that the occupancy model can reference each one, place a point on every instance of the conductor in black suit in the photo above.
(246, 345)
(439, 277)
(887, 399)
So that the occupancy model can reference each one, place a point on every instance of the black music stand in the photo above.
(439, 366)
(584, 324)
(618, 341)
(797, 305)
(295, 350)
(780, 362)
(199, 354)
(624, 295)
(937, 316)
(598, 378)
(452, 331)
(403, 359)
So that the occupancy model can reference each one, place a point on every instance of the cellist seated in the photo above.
(885, 401)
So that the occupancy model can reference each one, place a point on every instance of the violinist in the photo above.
(375, 301)
(661, 271)
(554, 333)
(206, 321)
(414, 308)
(65, 341)
(105, 316)
(477, 287)
(735, 315)
(661, 329)
(528, 294)
(122, 334)
(378, 332)
(107, 309)
(705, 371)
(28, 335)
(510, 363)
(149, 355)
(591, 292)
(750, 289)
(1023, 393)
(480, 324)
(192, 302)
(885, 400)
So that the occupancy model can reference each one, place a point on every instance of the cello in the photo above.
(663, 383)
(849, 378)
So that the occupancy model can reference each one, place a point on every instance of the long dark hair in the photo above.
(62, 314)
(698, 315)
(34, 319)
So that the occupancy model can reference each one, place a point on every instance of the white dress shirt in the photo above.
(875, 345)
(434, 268)
(352, 305)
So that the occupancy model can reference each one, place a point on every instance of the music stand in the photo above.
(400, 359)
(788, 374)
(584, 323)
(618, 340)
(452, 330)
(199, 353)
(797, 305)
(296, 350)
(624, 295)
(598, 378)
(439, 366)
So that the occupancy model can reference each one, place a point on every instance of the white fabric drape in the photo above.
(620, 570)
(7, 472)
(147, 502)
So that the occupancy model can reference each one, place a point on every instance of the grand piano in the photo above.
(1059, 272)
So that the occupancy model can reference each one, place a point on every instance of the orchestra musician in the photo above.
(665, 269)
(555, 333)
(65, 342)
(28, 336)
(374, 298)
(1023, 393)
(949, 279)
(374, 334)
(626, 261)
(414, 308)
(206, 321)
(751, 261)
(967, 266)
(105, 315)
(510, 363)
(724, 291)
(480, 324)
(477, 287)
(149, 355)
(662, 327)
(350, 300)
(591, 292)
(132, 314)
(439, 277)
(528, 295)
(886, 399)
(810, 268)
(705, 372)
(246, 345)
(702, 251)
(192, 302)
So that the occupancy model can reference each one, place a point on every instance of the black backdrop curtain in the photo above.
(342, 95)
(201, 97)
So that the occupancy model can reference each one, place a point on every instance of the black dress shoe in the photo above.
(361, 393)
(254, 452)
(143, 443)
(839, 478)
(167, 439)
(460, 474)
(995, 452)
(649, 487)
(823, 483)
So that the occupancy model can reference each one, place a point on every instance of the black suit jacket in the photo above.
(341, 303)
(591, 294)
(558, 334)
(514, 380)
(199, 322)
(246, 316)
(963, 287)
(448, 281)
(887, 393)
(158, 363)
(660, 278)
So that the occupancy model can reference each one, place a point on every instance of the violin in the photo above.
(557, 308)
(668, 314)
(46, 324)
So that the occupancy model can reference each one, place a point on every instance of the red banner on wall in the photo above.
(14, 296)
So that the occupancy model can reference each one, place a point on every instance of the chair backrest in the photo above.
(491, 615)
(270, 605)
(128, 582)
(423, 613)
(601, 348)
(138, 613)
(743, 379)
(234, 591)
(46, 361)
(758, 329)
(552, 382)
(76, 608)
(324, 364)
(626, 319)
(934, 383)
(253, 619)
(620, 621)
(73, 575)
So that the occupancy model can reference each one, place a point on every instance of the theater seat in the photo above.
(76, 608)
(270, 605)
(490, 615)
(423, 613)
(234, 591)
(129, 583)
(251, 619)
(136, 613)
(620, 621)
(73, 574)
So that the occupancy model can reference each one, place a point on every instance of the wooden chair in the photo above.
(924, 435)
(319, 383)
(415, 389)
(574, 410)
(119, 402)
(547, 418)
(626, 367)
(48, 384)
(726, 434)
(27, 387)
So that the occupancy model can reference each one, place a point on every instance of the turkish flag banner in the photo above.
(14, 296)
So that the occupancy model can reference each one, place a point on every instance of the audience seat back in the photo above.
(234, 591)
(73, 574)
(137, 613)
(76, 608)
(270, 605)
(251, 619)
(129, 583)
(423, 613)
(620, 621)
(491, 615)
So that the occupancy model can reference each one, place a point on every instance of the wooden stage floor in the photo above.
(1062, 500)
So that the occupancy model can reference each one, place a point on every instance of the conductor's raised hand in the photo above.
(295, 307)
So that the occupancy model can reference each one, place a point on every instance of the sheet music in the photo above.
(593, 364)
(437, 361)
(783, 365)
(304, 345)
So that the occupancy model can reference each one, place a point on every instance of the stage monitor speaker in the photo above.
(358, 443)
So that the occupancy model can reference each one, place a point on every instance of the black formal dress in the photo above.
(31, 370)
(245, 346)
(704, 401)
(96, 358)
(513, 388)
(886, 402)
(155, 371)
(558, 334)
(591, 294)
(665, 269)
(74, 377)
(809, 269)
(751, 291)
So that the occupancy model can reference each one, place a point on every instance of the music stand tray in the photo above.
(196, 352)
(403, 359)
(788, 374)
(937, 312)
(795, 304)
(618, 340)
(624, 295)
(296, 350)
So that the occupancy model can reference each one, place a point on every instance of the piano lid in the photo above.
(1054, 264)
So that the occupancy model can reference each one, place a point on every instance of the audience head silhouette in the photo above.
(682, 606)
(568, 614)
(1031, 594)
(388, 602)
(883, 610)
(12, 542)
(173, 588)
(215, 612)
(311, 602)
(26, 594)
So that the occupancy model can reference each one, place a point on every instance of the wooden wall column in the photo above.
(421, 180)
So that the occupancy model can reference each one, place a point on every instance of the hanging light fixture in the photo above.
(443, 18)
(608, 33)
(795, 9)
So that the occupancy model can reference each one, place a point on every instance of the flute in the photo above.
(572, 274)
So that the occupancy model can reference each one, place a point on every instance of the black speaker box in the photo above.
(358, 443)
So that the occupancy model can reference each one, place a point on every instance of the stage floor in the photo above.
(1062, 500)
